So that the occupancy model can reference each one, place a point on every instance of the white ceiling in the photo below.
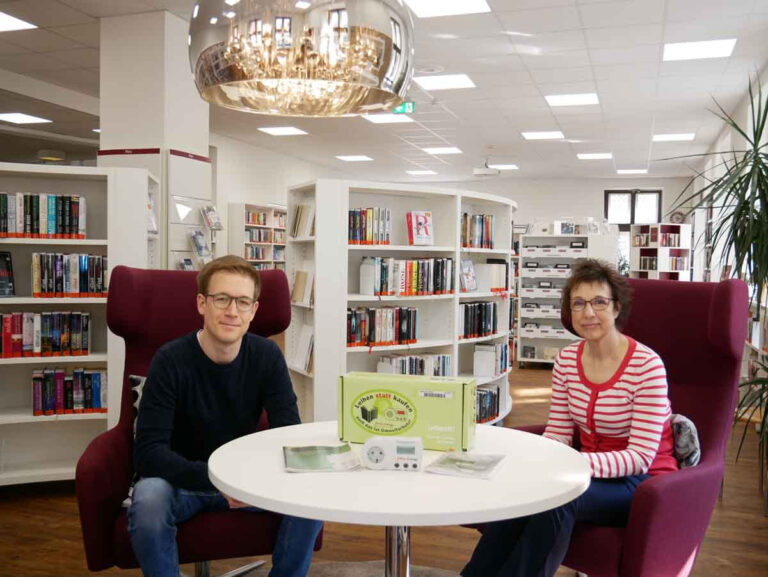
(612, 47)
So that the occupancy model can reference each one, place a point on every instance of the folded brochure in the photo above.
(320, 458)
(465, 464)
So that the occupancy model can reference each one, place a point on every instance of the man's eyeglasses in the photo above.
(222, 301)
(598, 304)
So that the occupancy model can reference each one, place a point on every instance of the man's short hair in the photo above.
(228, 263)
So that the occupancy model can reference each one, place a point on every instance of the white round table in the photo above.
(536, 474)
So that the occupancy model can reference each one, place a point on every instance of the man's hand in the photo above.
(234, 503)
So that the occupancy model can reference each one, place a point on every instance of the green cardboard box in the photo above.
(440, 410)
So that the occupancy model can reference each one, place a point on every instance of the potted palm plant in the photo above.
(741, 228)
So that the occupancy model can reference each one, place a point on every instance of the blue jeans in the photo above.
(535, 546)
(157, 507)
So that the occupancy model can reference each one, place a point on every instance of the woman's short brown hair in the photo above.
(590, 270)
(228, 263)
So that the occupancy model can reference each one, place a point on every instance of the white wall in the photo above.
(247, 173)
(582, 197)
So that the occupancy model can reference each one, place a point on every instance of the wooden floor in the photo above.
(40, 531)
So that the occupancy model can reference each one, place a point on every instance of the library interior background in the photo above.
(426, 180)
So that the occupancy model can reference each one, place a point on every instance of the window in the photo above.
(627, 207)
(255, 28)
(339, 23)
(283, 32)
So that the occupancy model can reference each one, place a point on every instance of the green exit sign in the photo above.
(405, 108)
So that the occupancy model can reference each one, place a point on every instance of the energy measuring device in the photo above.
(396, 453)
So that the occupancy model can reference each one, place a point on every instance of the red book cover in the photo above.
(58, 376)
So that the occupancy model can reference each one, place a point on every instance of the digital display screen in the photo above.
(406, 449)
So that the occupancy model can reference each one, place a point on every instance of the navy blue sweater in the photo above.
(190, 406)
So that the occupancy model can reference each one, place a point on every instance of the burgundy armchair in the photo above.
(698, 329)
(149, 308)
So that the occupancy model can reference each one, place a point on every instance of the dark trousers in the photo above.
(535, 546)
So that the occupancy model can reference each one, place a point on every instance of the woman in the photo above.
(614, 391)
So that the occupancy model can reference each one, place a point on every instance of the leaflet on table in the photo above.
(465, 465)
(320, 458)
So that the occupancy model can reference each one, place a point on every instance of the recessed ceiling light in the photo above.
(8, 23)
(595, 156)
(97, 130)
(421, 172)
(442, 150)
(387, 118)
(213, 20)
(513, 33)
(572, 99)
(632, 171)
(697, 50)
(20, 118)
(355, 158)
(301, 5)
(195, 11)
(282, 130)
(551, 135)
(231, 2)
(230, 14)
(445, 82)
(503, 166)
(682, 137)
(433, 8)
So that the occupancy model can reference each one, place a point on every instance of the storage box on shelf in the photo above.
(45, 448)
(661, 251)
(546, 261)
(333, 253)
(261, 232)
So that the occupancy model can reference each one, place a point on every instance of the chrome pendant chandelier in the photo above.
(302, 58)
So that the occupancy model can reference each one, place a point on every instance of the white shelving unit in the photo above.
(254, 228)
(661, 251)
(46, 448)
(335, 265)
(539, 334)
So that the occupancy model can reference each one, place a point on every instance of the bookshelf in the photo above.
(335, 265)
(546, 261)
(660, 251)
(261, 232)
(46, 448)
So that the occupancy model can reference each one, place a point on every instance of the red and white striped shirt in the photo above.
(624, 423)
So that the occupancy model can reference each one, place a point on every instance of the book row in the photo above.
(56, 393)
(395, 277)
(46, 334)
(57, 275)
(375, 327)
(261, 218)
(532, 352)
(670, 239)
(258, 235)
(269, 265)
(479, 319)
(427, 365)
(303, 220)
(369, 226)
(252, 252)
(24, 215)
(487, 404)
(477, 230)
(303, 287)
(491, 276)
(490, 360)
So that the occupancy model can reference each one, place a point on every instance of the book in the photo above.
(419, 224)
(465, 465)
(200, 245)
(7, 286)
(320, 458)
(211, 217)
(467, 276)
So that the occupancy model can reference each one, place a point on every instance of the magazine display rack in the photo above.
(46, 448)
(327, 248)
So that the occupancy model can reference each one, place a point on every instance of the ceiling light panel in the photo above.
(420, 172)
(503, 166)
(21, 118)
(282, 130)
(681, 137)
(698, 50)
(632, 171)
(444, 82)
(8, 23)
(585, 99)
(355, 158)
(435, 8)
(387, 118)
(595, 156)
(438, 150)
(545, 135)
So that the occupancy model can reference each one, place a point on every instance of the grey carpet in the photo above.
(360, 569)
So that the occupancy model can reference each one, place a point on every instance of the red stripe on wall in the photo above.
(190, 155)
(128, 151)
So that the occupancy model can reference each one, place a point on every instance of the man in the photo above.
(202, 391)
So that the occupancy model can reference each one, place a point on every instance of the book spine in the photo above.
(49, 392)
(74, 224)
(69, 398)
(66, 333)
(88, 391)
(36, 341)
(37, 393)
(17, 334)
(35, 201)
(52, 204)
(28, 340)
(59, 380)
(82, 218)
(104, 384)
(43, 215)
(85, 334)
(56, 334)
(77, 390)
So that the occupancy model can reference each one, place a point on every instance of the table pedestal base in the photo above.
(397, 558)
